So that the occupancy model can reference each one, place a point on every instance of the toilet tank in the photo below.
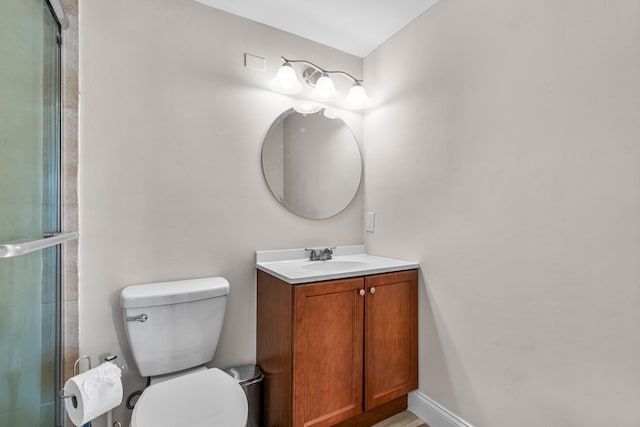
(173, 326)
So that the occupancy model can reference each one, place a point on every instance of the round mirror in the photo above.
(311, 163)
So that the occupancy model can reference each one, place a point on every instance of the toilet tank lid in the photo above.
(165, 293)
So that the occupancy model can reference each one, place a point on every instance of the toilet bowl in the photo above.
(173, 330)
(201, 399)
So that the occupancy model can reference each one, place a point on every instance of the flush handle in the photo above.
(139, 318)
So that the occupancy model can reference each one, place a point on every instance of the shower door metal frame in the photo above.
(58, 13)
(55, 7)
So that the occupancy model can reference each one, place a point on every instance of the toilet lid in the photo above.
(204, 398)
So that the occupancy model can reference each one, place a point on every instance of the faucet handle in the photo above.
(327, 253)
(313, 254)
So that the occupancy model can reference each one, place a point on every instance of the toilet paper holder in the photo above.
(76, 367)
(76, 371)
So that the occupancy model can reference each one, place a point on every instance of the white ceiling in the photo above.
(353, 26)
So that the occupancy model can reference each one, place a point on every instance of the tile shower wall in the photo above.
(70, 100)
(171, 183)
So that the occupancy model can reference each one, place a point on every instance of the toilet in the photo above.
(173, 330)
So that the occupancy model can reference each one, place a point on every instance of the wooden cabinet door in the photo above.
(391, 336)
(327, 352)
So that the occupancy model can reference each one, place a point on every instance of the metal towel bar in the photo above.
(14, 249)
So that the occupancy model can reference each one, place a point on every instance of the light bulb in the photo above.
(324, 90)
(308, 108)
(286, 80)
(357, 98)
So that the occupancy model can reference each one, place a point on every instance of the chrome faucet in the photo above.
(320, 254)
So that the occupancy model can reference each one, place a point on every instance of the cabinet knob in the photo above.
(372, 290)
(362, 292)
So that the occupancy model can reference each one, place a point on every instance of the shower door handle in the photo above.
(14, 249)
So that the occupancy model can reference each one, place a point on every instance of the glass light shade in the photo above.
(357, 98)
(308, 108)
(324, 90)
(286, 80)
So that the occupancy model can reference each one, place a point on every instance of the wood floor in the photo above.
(403, 419)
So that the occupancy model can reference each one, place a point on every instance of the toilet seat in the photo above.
(208, 398)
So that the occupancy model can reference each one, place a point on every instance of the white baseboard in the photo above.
(432, 412)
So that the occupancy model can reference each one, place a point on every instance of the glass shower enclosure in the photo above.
(30, 223)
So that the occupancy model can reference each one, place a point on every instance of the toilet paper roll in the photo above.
(95, 392)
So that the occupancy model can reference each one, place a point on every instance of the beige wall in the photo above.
(170, 182)
(504, 156)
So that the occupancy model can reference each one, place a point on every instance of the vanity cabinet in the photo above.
(338, 352)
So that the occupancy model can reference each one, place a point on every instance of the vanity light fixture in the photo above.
(357, 98)
(286, 81)
(324, 89)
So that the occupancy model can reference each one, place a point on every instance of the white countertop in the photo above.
(293, 265)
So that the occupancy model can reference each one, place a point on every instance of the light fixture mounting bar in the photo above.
(322, 70)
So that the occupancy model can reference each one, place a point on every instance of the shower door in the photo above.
(29, 211)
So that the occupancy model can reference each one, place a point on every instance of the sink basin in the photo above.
(293, 266)
(334, 265)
